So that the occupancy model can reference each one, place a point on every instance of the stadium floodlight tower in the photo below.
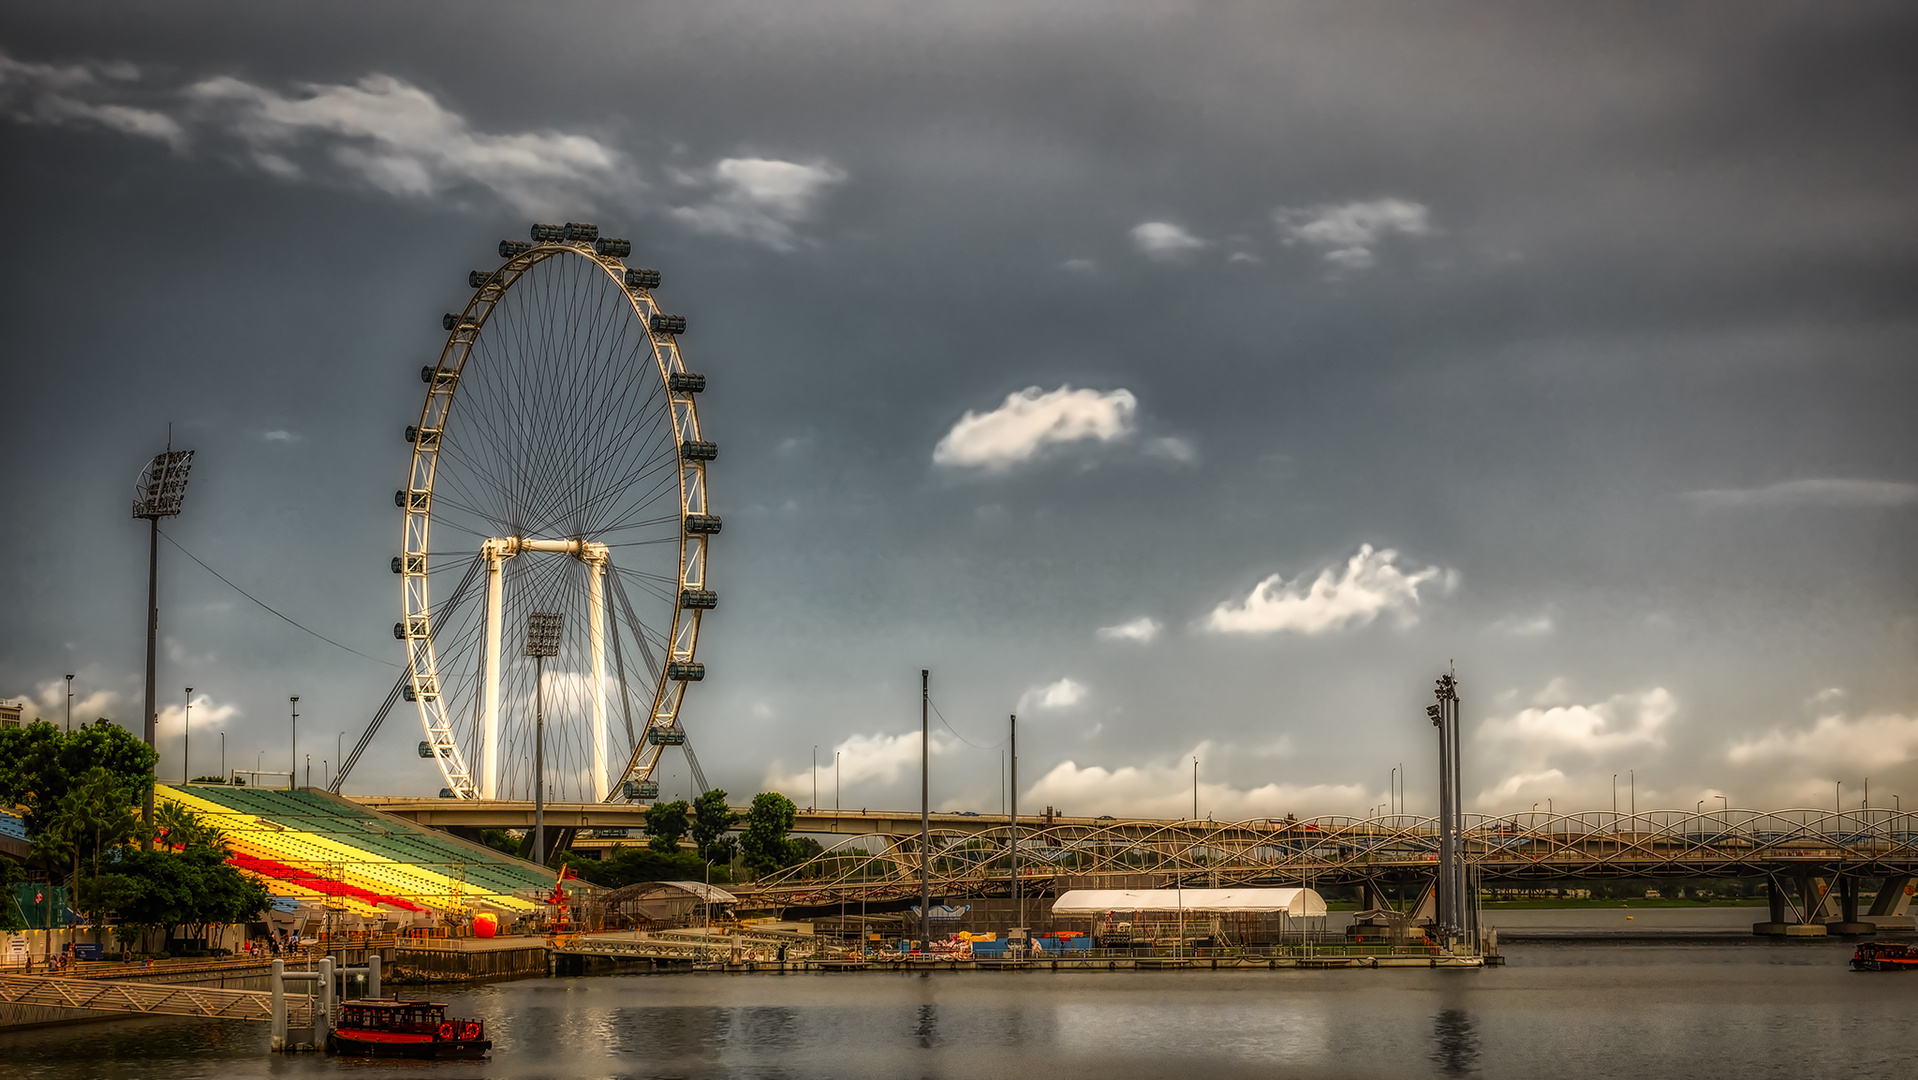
(543, 629)
(158, 494)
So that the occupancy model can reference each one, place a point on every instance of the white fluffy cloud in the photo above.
(1557, 751)
(81, 94)
(1164, 789)
(1032, 419)
(1349, 233)
(1622, 721)
(1843, 744)
(1370, 584)
(879, 758)
(1816, 492)
(1063, 694)
(395, 137)
(399, 139)
(1142, 630)
(759, 199)
(49, 702)
(1164, 240)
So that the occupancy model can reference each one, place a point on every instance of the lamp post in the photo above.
(159, 493)
(69, 704)
(1195, 789)
(543, 629)
(227, 776)
(293, 760)
(925, 816)
(186, 740)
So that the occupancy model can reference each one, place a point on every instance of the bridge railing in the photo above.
(1711, 841)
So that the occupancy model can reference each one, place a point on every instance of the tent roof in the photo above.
(699, 889)
(1294, 902)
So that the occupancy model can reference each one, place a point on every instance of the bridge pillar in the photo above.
(278, 980)
(1889, 907)
(1848, 921)
(1813, 900)
(1775, 899)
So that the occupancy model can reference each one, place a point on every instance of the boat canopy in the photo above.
(1297, 903)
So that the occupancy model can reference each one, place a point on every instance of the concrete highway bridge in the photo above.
(1815, 859)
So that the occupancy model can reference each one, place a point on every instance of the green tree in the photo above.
(667, 824)
(39, 765)
(96, 816)
(630, 864)
(183, 829)
(11, 917)
(165, 890)
(712, 819)
(763, 842)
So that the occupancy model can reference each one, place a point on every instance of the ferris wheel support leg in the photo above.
(489, 721)
(596, 632)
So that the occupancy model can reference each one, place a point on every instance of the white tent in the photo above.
(1297, 903)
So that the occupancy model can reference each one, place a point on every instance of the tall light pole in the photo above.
(293, 761)
(543, 629)
(159, 493)
(69, 704)
(225, 777)
(925, 816)
(1195, 789)
(1018, 897)
(186, 740)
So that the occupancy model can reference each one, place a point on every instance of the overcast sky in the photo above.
(1195, 380)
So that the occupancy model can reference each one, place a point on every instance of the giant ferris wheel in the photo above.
(558, 469)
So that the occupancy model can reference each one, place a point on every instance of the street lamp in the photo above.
(69, 704)
(186, 740)
(543, 629)
(159, 493)
(293, 761)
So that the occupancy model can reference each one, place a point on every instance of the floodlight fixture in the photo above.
(162, 486)
(542, 633)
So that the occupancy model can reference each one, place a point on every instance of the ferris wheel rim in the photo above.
(417, 500)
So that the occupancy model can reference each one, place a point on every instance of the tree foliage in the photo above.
(40, 766)
(667, 824)
(166, 890)
(712, 820)
(763, 842)
(628, 865)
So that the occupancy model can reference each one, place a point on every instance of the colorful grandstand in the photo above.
(314, 846)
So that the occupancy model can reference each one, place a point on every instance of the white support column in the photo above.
(597, 558)
(489, 721)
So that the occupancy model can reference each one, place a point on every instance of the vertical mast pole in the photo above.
(1018, 897)
(925, 817)
(153, 638)
(539, 760)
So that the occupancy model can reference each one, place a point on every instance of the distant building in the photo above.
(10, 713)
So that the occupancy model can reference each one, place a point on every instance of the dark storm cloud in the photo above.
(1601, 315)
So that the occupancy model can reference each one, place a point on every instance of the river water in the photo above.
(1740, 1008)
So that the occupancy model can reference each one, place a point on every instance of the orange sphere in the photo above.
(485, 924)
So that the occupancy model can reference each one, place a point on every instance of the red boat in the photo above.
(389, 1027)
(1885, 956)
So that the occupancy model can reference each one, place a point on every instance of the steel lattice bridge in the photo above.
(970, 855)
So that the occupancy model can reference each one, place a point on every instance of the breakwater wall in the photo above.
(444, 965)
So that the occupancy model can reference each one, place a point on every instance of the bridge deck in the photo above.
(153, 999)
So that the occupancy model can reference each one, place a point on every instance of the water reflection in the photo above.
(1455, 1042)
(928, 1030)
